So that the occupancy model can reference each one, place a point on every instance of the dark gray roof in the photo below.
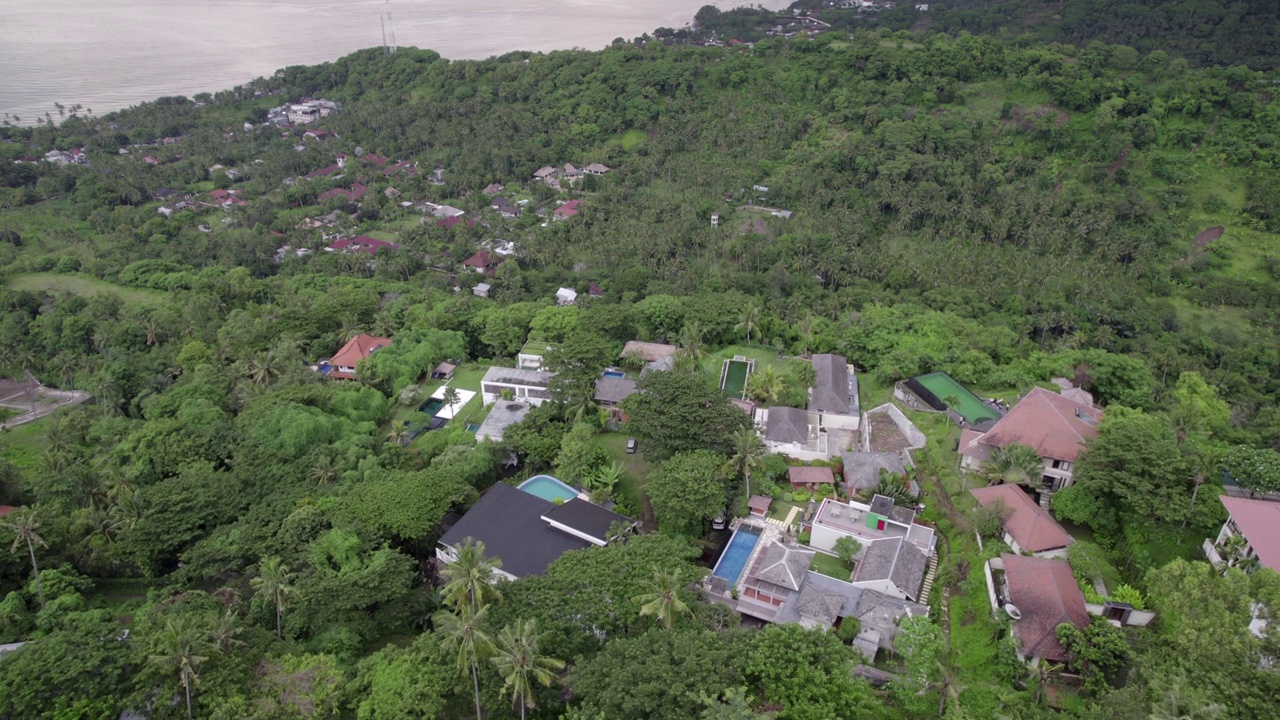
(835, 390)
(896, 560)
(503, 415)
(509, 523)
(816, 602)
(789, 425)
(862, 469)
(585, 517)
(781, 565)
(614, 389)
(882, 505)
(517, 376)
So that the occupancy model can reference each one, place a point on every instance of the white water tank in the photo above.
(1013, 611)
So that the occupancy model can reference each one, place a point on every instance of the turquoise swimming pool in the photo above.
(548, 488)
(735, 555)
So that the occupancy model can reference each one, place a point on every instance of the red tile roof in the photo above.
(760, 502)
(363, 244)
(1030, 525)
(1259, 522)
(357, 349)
(811, 475)
(6, 510)
(1046, 594)
(376, 159)
(1057, 427)
(479, 260)
(568, 209)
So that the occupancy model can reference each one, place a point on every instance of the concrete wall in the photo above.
(906, 427)
(883, 586)
(839, 422)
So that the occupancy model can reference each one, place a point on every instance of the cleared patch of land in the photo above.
(83, 286)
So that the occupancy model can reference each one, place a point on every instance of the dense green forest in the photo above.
(1004, 210)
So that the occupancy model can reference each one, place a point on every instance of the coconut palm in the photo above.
(468, 580)
(619, 530)
(25, 525)
(399, 434)
(691, 339)
(766, 385)
(748, 321)
(451, 398)
(521, 665)
(180, 647)
(746, 452)
(324, 471)
(664, 601)
(952, 402)
(465, 633)
(1041, 672)
(1014, 463)
(273, 583)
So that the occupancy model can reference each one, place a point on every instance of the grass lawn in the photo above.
(84, 286)
(830, 566)
(780, 509)
(24, 445)
(383, 235)
(638, 467)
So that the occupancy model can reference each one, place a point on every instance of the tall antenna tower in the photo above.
(388, 29)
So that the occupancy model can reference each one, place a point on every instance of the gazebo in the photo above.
(759, 505)
(443, 371)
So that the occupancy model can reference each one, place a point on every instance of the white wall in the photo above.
(824, 538)
(839, 422)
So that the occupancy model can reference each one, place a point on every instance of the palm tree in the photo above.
(399, 433)
(952, 402)
(180, 648)
(692, 342)
(1014, 463)
(1040, 673)
(619, 530)
(451, 398)
(664, 601)
(748, 321)
(225, 630)
(324, 471)
(25, 525)
(465, 633)
(521, 665)
(766, 385)
(469, 578)
(273, 583)
(747, 450)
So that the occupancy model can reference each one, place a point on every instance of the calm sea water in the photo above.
(110, 54)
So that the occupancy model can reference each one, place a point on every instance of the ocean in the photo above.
(109, 54)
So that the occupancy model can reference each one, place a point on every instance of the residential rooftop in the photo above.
(1030, 525)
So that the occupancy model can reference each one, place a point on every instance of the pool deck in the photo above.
(464, 397)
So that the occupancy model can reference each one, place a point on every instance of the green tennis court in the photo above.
(970, 406)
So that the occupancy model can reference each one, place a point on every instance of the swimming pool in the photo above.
(614, 373)
(432, 406)
(548, 488)
(943, 386)
(734, 558)
(733, 376)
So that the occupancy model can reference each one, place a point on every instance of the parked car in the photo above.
(631, 446)
(718, 523)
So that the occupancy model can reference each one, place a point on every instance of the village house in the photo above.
(528, 385)
(566, 296)
(492, 189)
(648, 352)
(356, 192)
(504, 207)
(481, 290)
(611, 391)
(1055, 426)
(895, 551)
(595, 169)
(1029, 528)
(342, 366)
(361, 244)
(567, 210)
(1250, 538)
(835, 393)
(526, 532)
(305, 112)
(481, 262)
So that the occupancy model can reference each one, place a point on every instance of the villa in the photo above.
(501, 416)
(342, 365)
(527, 385)
(1029, 527)
(649, 352)
(528, 532)
(531, 355)
(1257, 525)
(835, 393)
(862, 470)
(895, 550)
(780, 588)
(792, 432)
(1039, 594)
(1057, 427)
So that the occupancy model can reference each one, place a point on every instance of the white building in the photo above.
(527, 385)
(895, 551)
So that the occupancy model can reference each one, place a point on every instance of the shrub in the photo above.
(801, 496)
(804, 537)
(849, 629)
(1130, 596)
(788, 497)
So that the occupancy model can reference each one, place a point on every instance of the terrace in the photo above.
(867, 523)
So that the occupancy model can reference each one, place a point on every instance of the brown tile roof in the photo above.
(1029, 525)
(757, 502)
(1259, 522)
(357, 349)
(479, 260)
(1047, 595)
(811, 475)
(1055, 426)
